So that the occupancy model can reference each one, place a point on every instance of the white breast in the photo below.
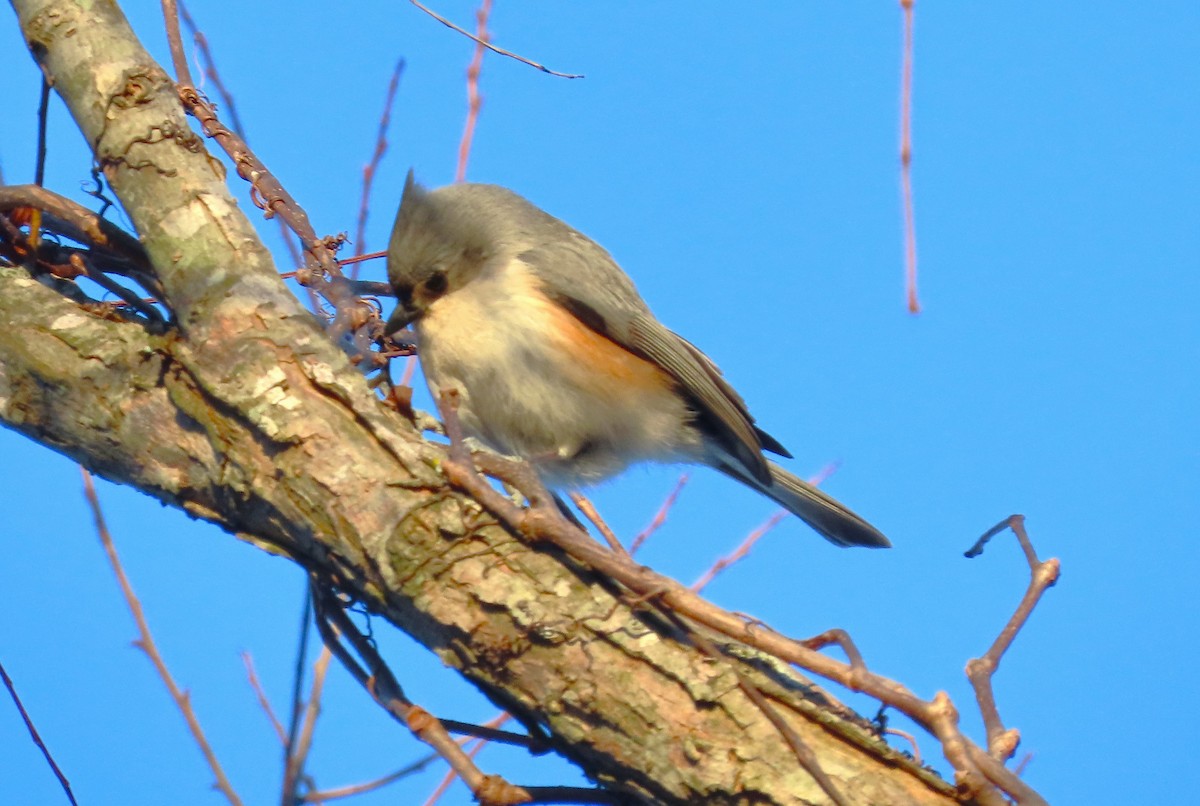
(534, 382)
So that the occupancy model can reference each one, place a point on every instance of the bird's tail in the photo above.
(831, 519)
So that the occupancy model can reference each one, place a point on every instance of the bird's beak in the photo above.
(401, 318)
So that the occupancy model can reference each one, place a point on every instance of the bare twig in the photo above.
(263, 702)
(743, 549)
(910, 227)
(109, 248)
(321, 272)
(37, 738)
(304, 738)
(490, 46)
(592, 514)
(912, 740)
(370, 786)
(1002, 744)
(978, 774)
(474, 99)
(39, 167)
(368, 174)
(334, 626)
(290, 772)
(479, 744)
(146, 643)
(843, 640)
(740, 552)
(660, 517)
(208, 64)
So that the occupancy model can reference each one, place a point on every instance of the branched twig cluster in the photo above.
(980, 773)
(352, 317)
(60, 241)
(357, 653)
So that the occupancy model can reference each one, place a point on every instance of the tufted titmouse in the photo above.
(557, 359)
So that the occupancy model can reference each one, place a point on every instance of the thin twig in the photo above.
(1002, 744)
(490, 46)
(912, 740)
(311, 712)
(740, 552)
(290, 777)
(37, 738)
(660, 517)
(910, 227)
(146, 643)
(334, 626)
(370, 786)
(474, 99)
(263, 702)
(183, 73)
(743, 549)
(368, 173)
(592, 514)
(209, 66)
(843, 640)
(39, 167)
(451, 776)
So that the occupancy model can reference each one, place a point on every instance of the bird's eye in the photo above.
(436, 284)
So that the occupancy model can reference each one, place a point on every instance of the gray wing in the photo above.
(585, 279)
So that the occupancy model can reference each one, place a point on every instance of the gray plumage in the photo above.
(557, 358)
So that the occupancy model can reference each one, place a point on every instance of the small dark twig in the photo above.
(39, 168)
(490, 46)
(304, 738)
(291, 774)
(37, 739)
(335, 626)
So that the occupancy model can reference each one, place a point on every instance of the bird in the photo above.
(556, 358)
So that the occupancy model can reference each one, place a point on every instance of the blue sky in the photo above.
(742, 167)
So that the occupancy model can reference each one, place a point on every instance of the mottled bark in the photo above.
(247, 415)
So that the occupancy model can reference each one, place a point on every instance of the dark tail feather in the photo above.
(832, 520)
